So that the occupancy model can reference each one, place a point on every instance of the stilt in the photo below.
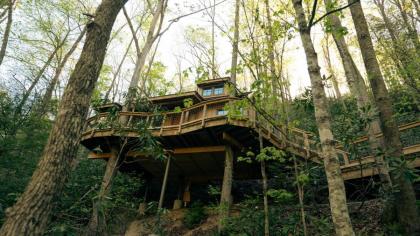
(165, 180)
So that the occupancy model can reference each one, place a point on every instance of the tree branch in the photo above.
(331, 12)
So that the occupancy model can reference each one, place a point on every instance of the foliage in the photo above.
(194, 215)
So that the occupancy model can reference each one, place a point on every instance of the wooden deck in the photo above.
(209, 114)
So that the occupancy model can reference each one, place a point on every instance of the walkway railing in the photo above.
(198, 115)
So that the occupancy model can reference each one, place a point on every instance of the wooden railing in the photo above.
(198, 115)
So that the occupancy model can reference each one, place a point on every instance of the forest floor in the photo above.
(365, 220)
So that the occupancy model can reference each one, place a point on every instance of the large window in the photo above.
(213, 91)
(221, 112)
(207, 92)
(218, 90)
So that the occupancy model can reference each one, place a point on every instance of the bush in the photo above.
(195, 215)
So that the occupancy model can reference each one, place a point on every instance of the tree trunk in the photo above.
(226, 194)
(331, 70)
(152, 35)
(405, 198)
(30, 215)
(337, 192)
(43, 106)
(235, 44)
(270, 48)
(7, 30)
(265, 188)
(97, 223)
(300, 195)
(359, 89)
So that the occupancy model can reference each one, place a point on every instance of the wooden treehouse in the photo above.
(199, 137)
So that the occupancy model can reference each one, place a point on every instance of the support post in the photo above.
(225, 196)
(165, 180)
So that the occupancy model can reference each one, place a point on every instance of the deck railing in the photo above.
(199, 114)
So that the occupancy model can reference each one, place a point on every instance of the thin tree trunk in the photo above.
(7, 30)
(405, 198)
(152, 35)
(300, 195)
(331, 71)
(412, 32)
(270, 48)
(337, 192)
(401, 57)
(265, 188)
(44, 104)
(30, 215)
(235, 44)
(213, 48)
(97, 223)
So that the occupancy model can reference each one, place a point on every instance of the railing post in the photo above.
(180, 122)
(204, 115)
(162, 124)
(306, 144)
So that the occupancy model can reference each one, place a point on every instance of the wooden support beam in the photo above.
(179, 151)
(165, 180)
(94, 155)
(232, 141)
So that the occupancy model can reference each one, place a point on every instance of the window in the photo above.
(207, 92)
(218, 90)
(221, 112)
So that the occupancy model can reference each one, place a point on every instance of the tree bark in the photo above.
(337, 192)
(7, 30)
(265, 188)
(30, 215)
(405, 200)
(226, 194)
(235, 44)
(43, 105)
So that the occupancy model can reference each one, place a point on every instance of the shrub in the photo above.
(195, 215)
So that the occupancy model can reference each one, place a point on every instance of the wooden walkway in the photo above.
(210, 114)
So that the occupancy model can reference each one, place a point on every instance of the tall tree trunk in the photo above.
(359, 89)
(405, 200)
(43, 105)
(331, 70)
(270, 48)
(30, 215)
(7, 30)
(235, 44)
(337, 192)
(265, 188)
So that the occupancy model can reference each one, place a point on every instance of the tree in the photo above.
(337, 192)
(405, 200)
(30, 215)
(359, 89)
(7, 30)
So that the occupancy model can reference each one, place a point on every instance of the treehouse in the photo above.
(202, 139)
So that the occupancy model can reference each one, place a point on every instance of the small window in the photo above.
(207, 92)
(218, 90)
(221, 112)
